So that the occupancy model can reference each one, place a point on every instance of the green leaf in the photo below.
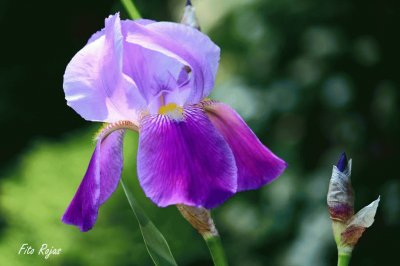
(155, 242)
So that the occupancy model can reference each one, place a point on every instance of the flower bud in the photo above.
(340, 197)
(189, 16)
(347, 226)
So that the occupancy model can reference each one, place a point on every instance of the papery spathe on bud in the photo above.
(340, 196)
(200, 219)
(359, 222)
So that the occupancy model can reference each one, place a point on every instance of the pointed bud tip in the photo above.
(189, 16)
(340, 197)
(342, 163)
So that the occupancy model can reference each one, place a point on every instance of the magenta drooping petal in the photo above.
(82, 211)
(256, 164)
(111, 163)
(187, 45)
(185, 162)
(94, 84)
(100, 181)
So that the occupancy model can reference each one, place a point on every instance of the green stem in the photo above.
(131, 9)
(216, 250)
(343, 259)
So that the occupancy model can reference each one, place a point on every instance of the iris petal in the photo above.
(256, 164)
(100, 181)
(94, 84)
(155, 74)
(186, 45)
(185, 162)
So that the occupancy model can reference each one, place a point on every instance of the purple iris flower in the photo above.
(154, 77)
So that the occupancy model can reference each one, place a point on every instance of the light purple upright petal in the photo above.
(100, 181)
(256, 164)
(94, 84)
(155, 74)
(193, 40)
(187, 45)
(185, 162)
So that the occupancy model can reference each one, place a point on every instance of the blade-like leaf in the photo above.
(155, 242)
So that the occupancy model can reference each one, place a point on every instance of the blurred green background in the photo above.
(312, 78)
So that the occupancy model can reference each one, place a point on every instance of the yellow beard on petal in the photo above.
(172, 110)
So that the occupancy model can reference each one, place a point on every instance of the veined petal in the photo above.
(256, 164)
(94, 84)
(186, 45)
(111, 163)
(185, 161)
(100, 181)
(82, 211)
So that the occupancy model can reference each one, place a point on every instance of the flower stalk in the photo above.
(200, 219)
(343, 259)
(216, 250)
(130, 7)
